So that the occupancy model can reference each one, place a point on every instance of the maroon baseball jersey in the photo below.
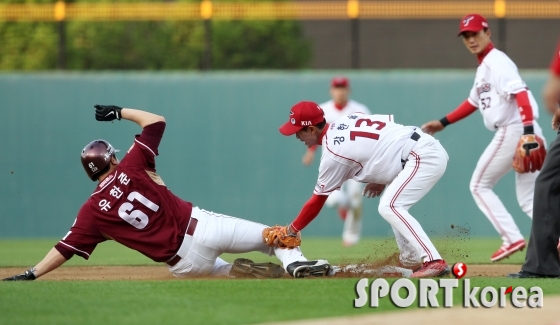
(132, 206)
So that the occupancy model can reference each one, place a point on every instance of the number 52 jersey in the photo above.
(366, 148)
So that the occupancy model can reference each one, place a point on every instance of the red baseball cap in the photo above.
(340, 81)
(302, 114)
(472, 23)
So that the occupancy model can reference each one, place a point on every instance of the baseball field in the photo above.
(120, 286)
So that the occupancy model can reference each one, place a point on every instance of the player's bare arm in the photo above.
(112, 112)
(308, 157)
(50, 262)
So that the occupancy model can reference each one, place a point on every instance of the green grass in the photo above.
(218, 301)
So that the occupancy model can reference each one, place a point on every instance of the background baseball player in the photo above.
(543, 253)
(508, 107)
(132, 206)
(347, 200)
(373, 149)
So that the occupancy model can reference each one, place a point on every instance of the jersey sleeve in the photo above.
(145, 147)
(555, 65)
(331, 176)
(509, 80)
(473, 96)
(82, 238)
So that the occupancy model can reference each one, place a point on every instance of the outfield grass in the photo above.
(210, 301)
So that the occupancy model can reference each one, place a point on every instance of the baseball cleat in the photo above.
(432, 269)
(506, 250)
(530, 275)
(245, 268)
(308, 268)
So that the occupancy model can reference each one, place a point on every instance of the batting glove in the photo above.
(26, 276)
(107, 112)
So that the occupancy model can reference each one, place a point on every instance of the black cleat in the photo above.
(308, 268)
(245, 268)
(530, 275)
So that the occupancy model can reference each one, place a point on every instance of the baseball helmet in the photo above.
(96, 158)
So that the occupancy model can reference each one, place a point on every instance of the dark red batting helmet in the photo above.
(96, 157)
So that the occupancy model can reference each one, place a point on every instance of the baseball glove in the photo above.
(107, 112)
(529, 155)
(280, 236)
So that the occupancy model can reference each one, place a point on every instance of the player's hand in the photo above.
(26, 276)
(373, 190)
(556, 120)
(308, 157)
(432, 127)
(107, 112)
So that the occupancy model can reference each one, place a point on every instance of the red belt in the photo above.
(190, 231)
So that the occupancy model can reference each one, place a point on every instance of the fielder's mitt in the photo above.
(529, 155)
(281, 237)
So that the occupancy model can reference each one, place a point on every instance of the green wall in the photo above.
(222, 149)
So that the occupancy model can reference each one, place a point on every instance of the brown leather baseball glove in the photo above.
(529, 155)
(281, 236)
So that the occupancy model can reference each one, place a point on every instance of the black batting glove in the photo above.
(26, 276)
(107, 112)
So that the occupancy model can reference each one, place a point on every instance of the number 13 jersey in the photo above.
(366, 148)
(132, 206)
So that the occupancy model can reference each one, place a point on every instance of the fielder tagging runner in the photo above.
(372, 149)
(131, 205)
(348, 199)
(509, 108)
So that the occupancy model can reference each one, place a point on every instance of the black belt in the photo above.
(415, 136)
(190, 231)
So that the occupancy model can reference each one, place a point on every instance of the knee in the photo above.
(385, 210)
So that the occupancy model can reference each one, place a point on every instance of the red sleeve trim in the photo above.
(524, 106)
(309, 211)
(555, 65)
(464, 110)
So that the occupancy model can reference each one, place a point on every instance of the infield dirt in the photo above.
(93, 273)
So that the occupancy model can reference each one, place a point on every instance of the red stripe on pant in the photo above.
(392, 205)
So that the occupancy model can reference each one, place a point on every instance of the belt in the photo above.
(190, 231)
(408, 146)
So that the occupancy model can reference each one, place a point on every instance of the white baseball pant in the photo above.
(495, 162)
(426, 164)
(216, 234)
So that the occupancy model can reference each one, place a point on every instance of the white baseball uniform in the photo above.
(373, 149)
(350, 194)
(496, 83)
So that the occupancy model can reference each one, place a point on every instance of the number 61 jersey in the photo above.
(132, 206)
(366, 148)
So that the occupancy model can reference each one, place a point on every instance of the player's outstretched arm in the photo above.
(51, 261)
(112, 112)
